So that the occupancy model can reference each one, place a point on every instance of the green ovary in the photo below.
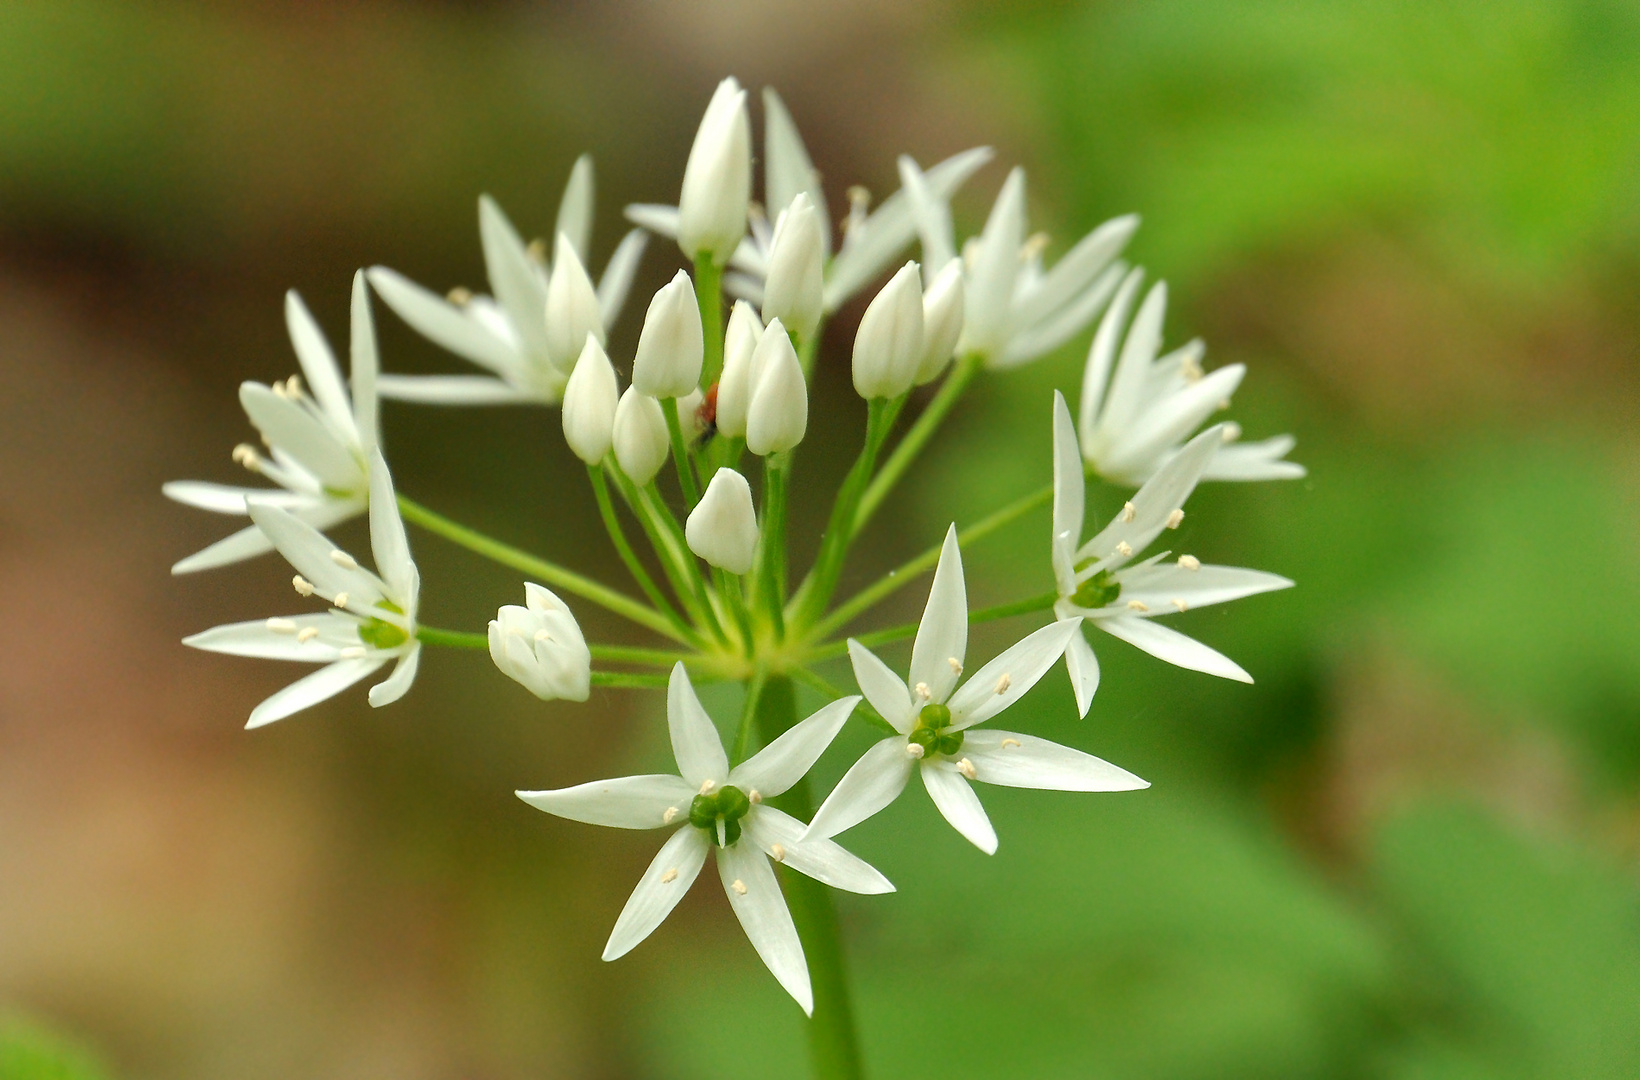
(728, 804)
(381, 634)
(931, 734)
(1097, 591)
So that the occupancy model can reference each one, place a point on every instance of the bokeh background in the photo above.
(1408, 852)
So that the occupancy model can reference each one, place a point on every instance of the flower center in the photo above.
(1097, 591)
(930, 733)
(381, 634)
(719, 813)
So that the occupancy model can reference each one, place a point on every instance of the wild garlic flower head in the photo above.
(1138, 409)
(720, 810)
(510, 333)
(540, 646)
(934, 717)
(319, 439)
(372, 620)
(1100, 584)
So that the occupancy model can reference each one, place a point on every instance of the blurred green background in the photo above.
(1408, 852)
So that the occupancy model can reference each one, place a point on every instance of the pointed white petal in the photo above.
(1072, 275)
(885, 690)
(1024, 761)
(1069, 497)
(1159, 585)
(442, 322)
(788, 169)
(871, 784)
(388, 543)
(932, 216)
(365, 364)
(397, 684)
(324, 377)
(657, 218)
(302, 435)
(616, 283)
(575, 208)
(695, 741)
(1255, 461)
(251, 541)
(629, 802)
(991, 279)
(306, 549)
(453, 390)
(1172, 646)
(1139, 350)
(1083, 667)
(516, 282)
(1031, 341)
(776, 767)
(1102, 357)
(225, 499)
(823, 860)
(754, 893)
(1006, 679)
(254, 638)
(325, 683)
(958, 803)
(744, 287)
(942, 636)
(1156, 500)
(659, 890)
(1168, 421)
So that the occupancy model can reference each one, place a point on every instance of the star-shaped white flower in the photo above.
(872, 241)
(1100, 584)
(1015, 311)
(319, 439)
(722, 809)
(372, 620)
(1134, 418)
(507, 333)
(936, 721)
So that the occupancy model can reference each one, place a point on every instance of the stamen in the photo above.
(754, 796)
(966, 768)
(1129, 512)
(1180, 604)
(1224, 403)
(923, 691)
(307, 633)
(707, 786)
(1232, 431)
(755, 211)
(1124, 549)
(671, 812)
(1138, 605)
(777, 852)
(860, 197)
(282, 626)
(459, 296)
(344, 560)
(294, 385)
(1033, 246)
(670, 876)
(738, 886)
(1190, 562)
(1175, 518)
(352, 652)
(542, 635)
(341, 599)
(245, 454)
(1011, 742)
(537, 251)
(1191, 369)
(914, 749)
(302, 585)
(956, 665)
(1003, 683)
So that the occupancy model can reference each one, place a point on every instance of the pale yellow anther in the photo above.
(956, 665)
(1191, 369)
(1011, 742)
(671, 812)
(1224, 403)
(966, 768)
(777, 852)
(341, 599)
(1003, 682)
(1124, 549)
(1180, 604)
(1129, 512)
(859, 197)
(307, 633)
(302, 585)
(245, 454)
(542, 635)
(914, 749)
(738, 886)
(352, 652)
(755, 211)
(1232, 432)
(1175, 518)
(1190, 562)
(754, 796)
(1033, 247)
(459, 296)
(282, 626)
(344, 560)
(923, 691)
(1138, 605)
(537, 251)
(706, 786)
(670, 876)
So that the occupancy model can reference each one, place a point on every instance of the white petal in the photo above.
(776, 767)
(324, 377)
(1072, 275)
(659, 890)
(1170, 420)
(300, 434)
(397, 684)
(871, 784)
(933, 217)
(629, 802)
(252, 541)
(823, 860)
(575, 208)
(1139, 349)
(1158, 585)
(452, 390)
(885, 690)
(787, 169)
(1024, 761)
(754, 893)
(942, 636)
(442, 322)
(325, 683)
(365, 363)
(514, 279)
(958, 803)
(305, 548)
(1156, 500)
(616, 283)
(1102, 357)
(1254, 461)
(225, 499)
(991, 278)
(1005, 680)
(1069, 497)
(1172, 646)
(253, 638)
(695, 741)
(388, 543)
(1083, 667)
(1032, 341)
(657, 218)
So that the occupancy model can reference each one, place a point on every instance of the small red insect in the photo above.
(706, 415)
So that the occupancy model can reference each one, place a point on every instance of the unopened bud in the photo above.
(573, 313)
(735, 384)
(541, 646)
(942, 321)
(794, 288)
(717, 181)
(779, 411)
(671, 345)
(590, 398)
(722, 528)
(889, 345)
(641, 440)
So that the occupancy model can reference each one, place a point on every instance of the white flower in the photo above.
(1101, 585)
(319, 445)
(590, 400)
(540, 645)
(717, 181)
(1014, 310)
(722, 809)
(722, 528)
(642, 443)
(740, 343)
(372, 621)
(888, 346)
(871, 241)
(778, 416)
(573, 313)
(506, 334)
(794, 290)
(935, 719)
(1133, 419)
(672, 344)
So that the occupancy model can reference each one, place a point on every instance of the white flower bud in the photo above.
(540, 645)
(689, 414)
(779, 413)
(641, 439)
(735, 384)
(717, 181)
(794, 288)
(722, 528)
(942, 321)
(889, 344)
(672, 344)
(573, 313)
(590, 398)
